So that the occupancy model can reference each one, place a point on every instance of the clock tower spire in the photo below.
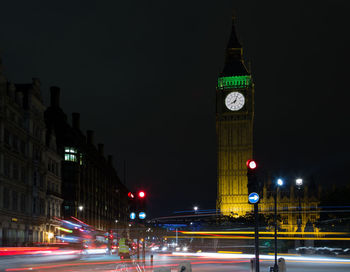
(234, 128)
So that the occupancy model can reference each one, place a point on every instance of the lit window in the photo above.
(70, 154)
(81, 159)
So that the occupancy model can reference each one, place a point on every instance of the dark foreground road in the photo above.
(198, 263)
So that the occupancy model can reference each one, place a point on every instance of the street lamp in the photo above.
(279, 183)
(195, 208)
(299, 183)
(80, 208)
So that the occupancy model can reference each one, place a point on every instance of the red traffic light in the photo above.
(131, 195)
(142, 194)
(251, 164)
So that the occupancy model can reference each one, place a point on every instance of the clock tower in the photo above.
(234, 129)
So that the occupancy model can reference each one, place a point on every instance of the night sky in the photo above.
(143, 75)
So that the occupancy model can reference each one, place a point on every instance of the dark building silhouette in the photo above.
(30, 178)
(91, 188)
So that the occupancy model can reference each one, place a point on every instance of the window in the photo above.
(42, 206)
(57, 168)
(14, 200)
(34, 205)
(23, 174)
(81, 159)
(7, 166)
(70, 154)
(23, 203)
(15, 143)
(15, 171)
(285, 220)
(6, 136)
(23, 147)
(6, 198)
(35, 177)
(41, 181)
(37, 153)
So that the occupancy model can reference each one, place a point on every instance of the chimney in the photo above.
(55, 97)
(90, 137)
(76, 120)
(36, 82)
(100, 149)
(110, 159)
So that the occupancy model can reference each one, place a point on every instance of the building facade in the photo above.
(25, 198)
(91, 188)
(297, 207)
(234, 129)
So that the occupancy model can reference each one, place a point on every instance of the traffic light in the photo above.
(142, 194)
(141, 207)
(251, 174)
(131, 195)
(132, 205)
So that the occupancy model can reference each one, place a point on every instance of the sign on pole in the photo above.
(253, 198)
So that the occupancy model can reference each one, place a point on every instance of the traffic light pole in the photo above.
(138, 246)
(275, 268)
(256, 214)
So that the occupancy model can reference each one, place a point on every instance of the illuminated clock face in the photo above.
(234, 101)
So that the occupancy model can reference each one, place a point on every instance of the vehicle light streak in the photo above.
(54, 266)
(264, 238)
(76, 219)
(7, 251)
(263, 257)
(264, 232)
(71, 223)
(66, 230)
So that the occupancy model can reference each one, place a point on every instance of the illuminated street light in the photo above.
(280, 182)
(116, 221)
(299, 181)
(80, 208)
(195, 208)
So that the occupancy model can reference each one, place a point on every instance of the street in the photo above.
(198, 263)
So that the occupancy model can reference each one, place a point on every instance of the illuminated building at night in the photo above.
(234, 127)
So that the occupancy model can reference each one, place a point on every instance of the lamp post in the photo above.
(299, 183)
(279, 183)
(195, 208)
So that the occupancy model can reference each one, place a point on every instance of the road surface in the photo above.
(199, 263)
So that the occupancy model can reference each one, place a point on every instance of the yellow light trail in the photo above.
(66, 230)
(265, 232)
(231, 252)
(264, 238)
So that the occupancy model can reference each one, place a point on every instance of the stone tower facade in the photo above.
(234, 128)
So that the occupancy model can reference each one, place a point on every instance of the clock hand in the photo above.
(234, 101)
